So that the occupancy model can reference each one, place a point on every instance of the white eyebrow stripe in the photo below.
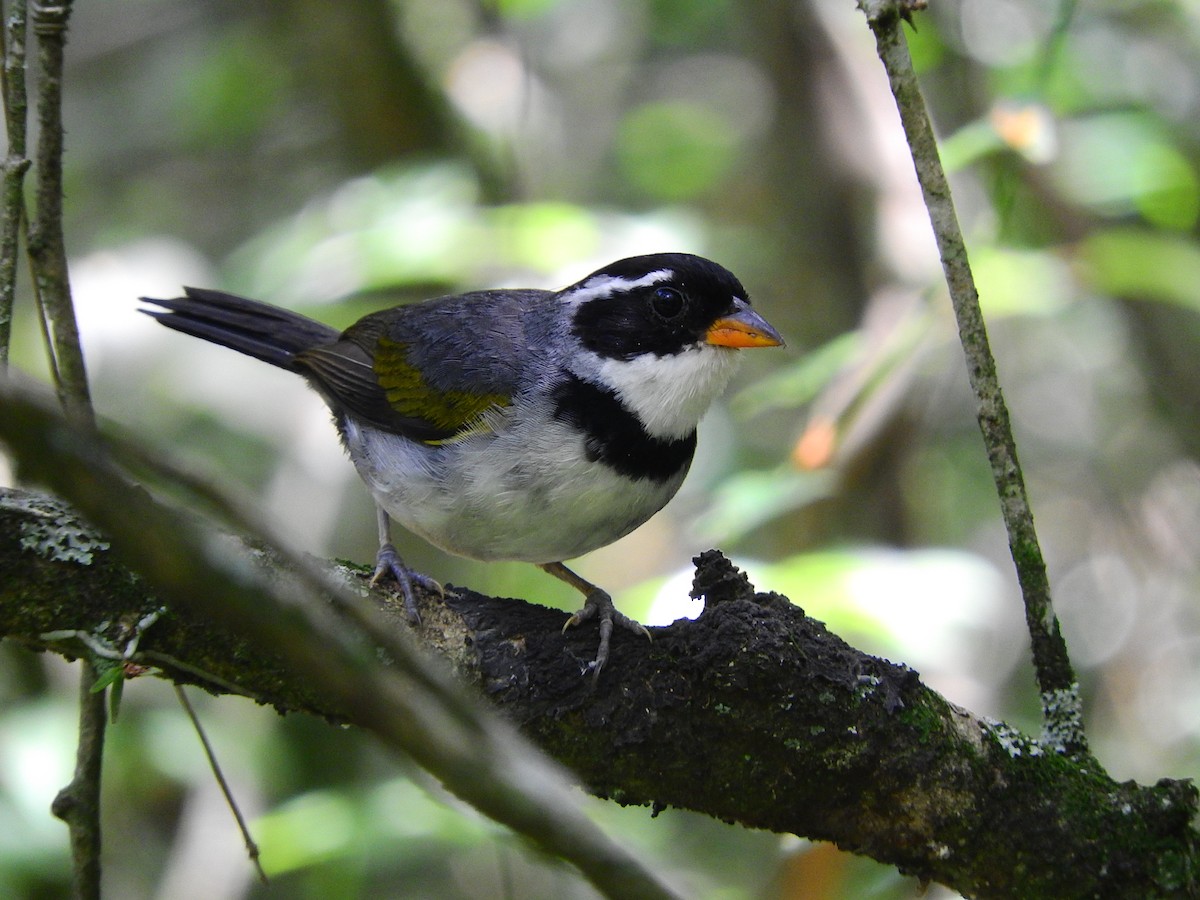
(601, 285)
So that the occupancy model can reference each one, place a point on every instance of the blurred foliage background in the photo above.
(339, 157)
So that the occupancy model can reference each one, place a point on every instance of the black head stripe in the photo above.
(614, 436)
(624, 322)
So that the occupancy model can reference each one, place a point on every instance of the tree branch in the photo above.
(78, 804)
(283, 617)
(1061, 705)
(16, 164)
(47, 247)
(752, 713)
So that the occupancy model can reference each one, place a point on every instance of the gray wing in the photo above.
(431, 370)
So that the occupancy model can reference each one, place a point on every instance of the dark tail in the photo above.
(257, 329)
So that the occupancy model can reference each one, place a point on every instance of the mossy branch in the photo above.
(1061, 705)
(752, 713)
(312, 660)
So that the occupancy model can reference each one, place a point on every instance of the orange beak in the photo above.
(743, 328)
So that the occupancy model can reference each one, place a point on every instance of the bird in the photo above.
(513, 424)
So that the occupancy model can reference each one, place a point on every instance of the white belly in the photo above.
(534, 498)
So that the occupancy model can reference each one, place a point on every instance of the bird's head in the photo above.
(661, 330)
(664, 304)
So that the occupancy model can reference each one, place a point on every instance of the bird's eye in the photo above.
(667, 303)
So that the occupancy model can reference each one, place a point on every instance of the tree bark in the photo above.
(752, 713)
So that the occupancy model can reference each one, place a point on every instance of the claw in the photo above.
(596, 605)
(388, 562)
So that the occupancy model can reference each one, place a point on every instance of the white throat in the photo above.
(670, 394)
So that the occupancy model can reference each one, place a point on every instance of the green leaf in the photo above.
(114, 698)
(110, 672)
(1020, 282)
(1142, 264)
(1122, 163)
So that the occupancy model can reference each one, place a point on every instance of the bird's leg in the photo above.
(388, 562)
(597, 604)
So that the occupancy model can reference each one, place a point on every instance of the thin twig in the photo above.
(1062, 715)
(147, 657)
(78, 804)
(251, 847)
(16, 163)
(47, 247)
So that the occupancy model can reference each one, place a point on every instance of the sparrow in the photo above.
(514, 424)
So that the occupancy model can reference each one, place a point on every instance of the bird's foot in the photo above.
(599, 605)
(388, 562)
